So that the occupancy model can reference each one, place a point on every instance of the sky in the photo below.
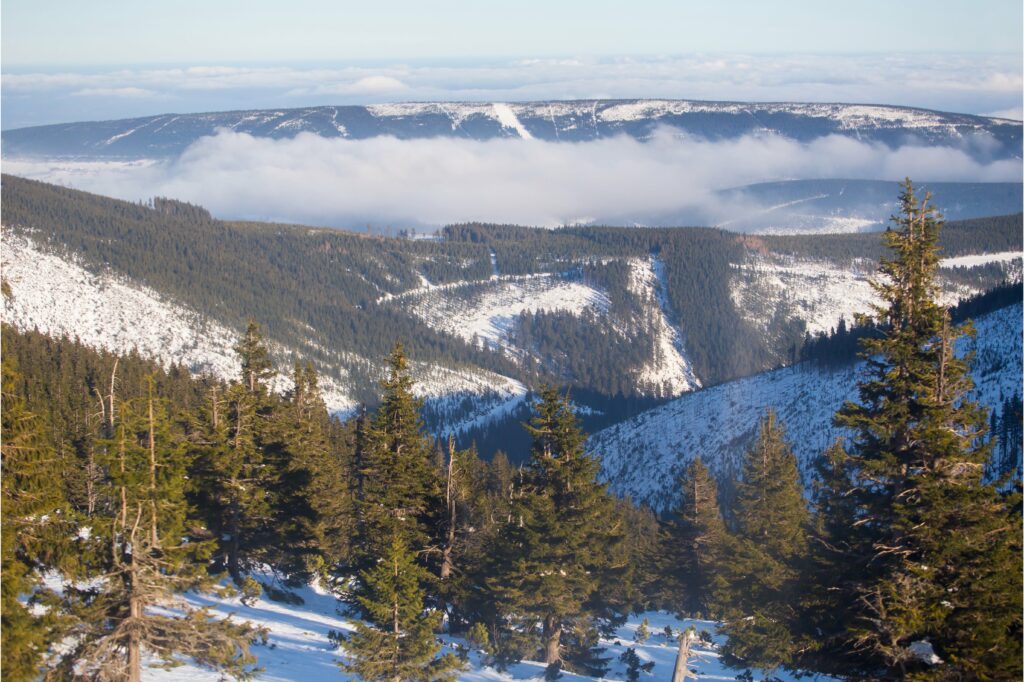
(68, 60)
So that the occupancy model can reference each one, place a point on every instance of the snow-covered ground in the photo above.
(486, 311)
(668, 368)
(819, 292)
(644, 456)
(298, 648)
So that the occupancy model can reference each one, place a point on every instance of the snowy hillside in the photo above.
(298, 648)
(644, 456)
(820, 293)
(170, 134)
(484, 312)
(59, 297)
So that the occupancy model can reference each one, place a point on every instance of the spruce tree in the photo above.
(395, 642)
(35, 527)
(150, 558)
(400, 487)
(693, 546)
(767, 553)
(252, 351)
(315, 510)
(555, 557)
(236, 480)
(930, 551)
(239, 465)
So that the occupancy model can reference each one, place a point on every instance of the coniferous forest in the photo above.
(127, 484)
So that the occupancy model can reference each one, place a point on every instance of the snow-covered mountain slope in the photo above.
(298, 648)
(644, 456)
(485, 312)
(169, 134)
(57, 296)
(819, 292)
(668, 365)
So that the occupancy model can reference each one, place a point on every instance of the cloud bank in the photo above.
(430, 182)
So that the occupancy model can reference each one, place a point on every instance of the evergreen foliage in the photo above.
(917, 545)
(35, 523)
(694, 546)
(766, 553)
(399, 484)
(558, 552)
(396, 640)
(147, 560)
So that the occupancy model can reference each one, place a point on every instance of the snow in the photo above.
(298, 647)
(668, 369)
(486, 311)
(981, 259)
(508, 119)
(644, 456)
(59, 297)
(818, 292)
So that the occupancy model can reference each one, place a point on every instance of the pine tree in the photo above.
(400, 485)
(396, 641)
(555, 557)
(315, 513)
(35, 524)
(931, 552)
(236, 480)
(767, 552)
(239, 465)
(693, 545)
(150, 558)
(257, 367)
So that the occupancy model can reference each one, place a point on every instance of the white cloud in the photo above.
(118, 92)
(1014, 113)
(435, 181)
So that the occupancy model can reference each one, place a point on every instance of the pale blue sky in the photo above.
(74, 60)
(104, 32)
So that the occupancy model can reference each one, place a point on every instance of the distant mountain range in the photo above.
(569, 121)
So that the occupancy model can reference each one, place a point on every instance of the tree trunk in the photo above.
(153, 537)
(552, 639)
(682, 670)
(446, 555)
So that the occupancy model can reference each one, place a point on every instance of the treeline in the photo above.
(959, 237)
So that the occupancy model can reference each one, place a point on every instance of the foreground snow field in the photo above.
(299, 649)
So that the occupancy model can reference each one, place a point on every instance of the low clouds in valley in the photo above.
(430, 182)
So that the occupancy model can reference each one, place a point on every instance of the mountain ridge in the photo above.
(552, 120)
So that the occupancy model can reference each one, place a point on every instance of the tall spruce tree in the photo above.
(557, 554)
(150, 558)
(239, 466)
(693, 546)
(922, 549)
(767, 551)
(314, 513)
(252, 351)
(399, 485)
(395, 642)
(34, 531)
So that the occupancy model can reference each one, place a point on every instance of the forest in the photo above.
(317, 290)
(135, 483)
